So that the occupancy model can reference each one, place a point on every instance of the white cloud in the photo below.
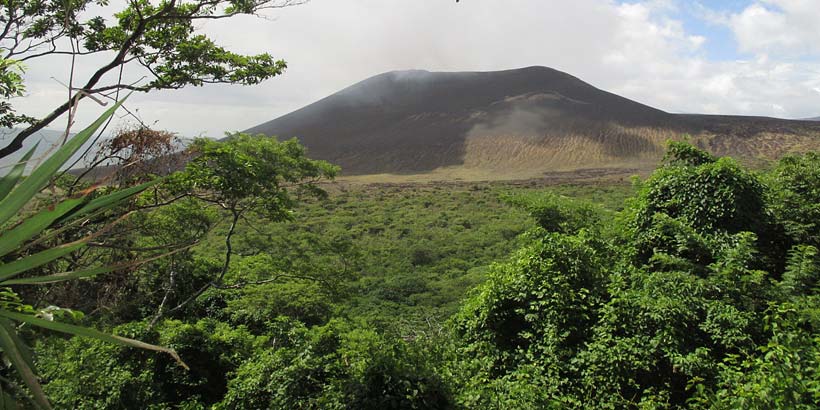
(637, 49)
(779, 27)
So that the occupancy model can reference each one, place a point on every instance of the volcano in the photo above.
(512, 124)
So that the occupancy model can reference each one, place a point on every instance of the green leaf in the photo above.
(40, 177)
(18, 358)
(11, 269)
(112, 199)
(87, 332)
(61, 277)
(25, 351)
(7, 402)
(13, 238)
(10, 180)
(87, 273)
(99, 205)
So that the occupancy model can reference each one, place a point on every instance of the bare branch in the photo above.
(225, 266)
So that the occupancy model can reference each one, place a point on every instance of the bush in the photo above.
(670, 313)
(89, 374)
(537, 311)
(333, 367)
(702, 200)
(795, 196)
(555, 213)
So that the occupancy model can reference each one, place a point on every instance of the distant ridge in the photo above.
(511, 124)
(45, 139)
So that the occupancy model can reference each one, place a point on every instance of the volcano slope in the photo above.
(513, 124)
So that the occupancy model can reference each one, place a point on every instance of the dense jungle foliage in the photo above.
(695, 288)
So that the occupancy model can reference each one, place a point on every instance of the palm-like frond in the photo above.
(16, 191)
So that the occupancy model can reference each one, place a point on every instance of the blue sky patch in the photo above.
(699, 18)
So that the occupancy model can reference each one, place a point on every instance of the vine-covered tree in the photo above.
(247, 175)
(158, 40)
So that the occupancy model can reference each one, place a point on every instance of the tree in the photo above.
(795, 196)
(156, 39)
(706, 316)
(247, 175)
(694, 200)
(11, 85)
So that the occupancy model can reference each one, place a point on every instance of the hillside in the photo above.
(511, 124)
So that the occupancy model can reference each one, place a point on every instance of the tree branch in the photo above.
(14, 34)
(17, 143)
(168, 291)
(225, 266)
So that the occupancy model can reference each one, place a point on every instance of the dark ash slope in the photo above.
(412, 122)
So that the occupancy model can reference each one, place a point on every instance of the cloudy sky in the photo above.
(748, 57)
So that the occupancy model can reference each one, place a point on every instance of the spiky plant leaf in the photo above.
(8, 182)
(62, 277)
(112, 199)
(85, 273)
(88, 332)
(39, 178)
(16, 354)
(12, 269)
(31, 227)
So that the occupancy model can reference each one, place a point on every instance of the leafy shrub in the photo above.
(802, 276)
(671, 313)
(555, 213)
(795, 196)
(705, 197)
(331, 367)
(255, 306)
(89, 374)
(784, 373)
(539, 308)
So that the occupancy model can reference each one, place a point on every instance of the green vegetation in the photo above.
(690, 302)
(696, 288)
(20, 229)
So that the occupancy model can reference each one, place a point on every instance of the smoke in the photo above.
(530, 115)
(381, 89)
(516, 122)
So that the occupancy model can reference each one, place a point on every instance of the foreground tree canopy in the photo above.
(701, 292)
(698, 299)
(56, 236)
(155, 44)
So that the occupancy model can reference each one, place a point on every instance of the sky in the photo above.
(744, 57)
